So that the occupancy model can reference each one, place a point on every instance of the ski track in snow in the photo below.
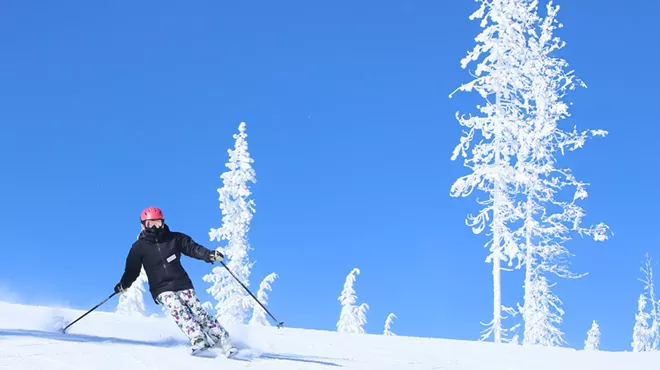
(107, 341)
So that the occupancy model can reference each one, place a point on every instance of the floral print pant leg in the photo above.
(187, 311)
(181, 314)
(208, 323)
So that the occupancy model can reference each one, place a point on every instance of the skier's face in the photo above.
(152, 223)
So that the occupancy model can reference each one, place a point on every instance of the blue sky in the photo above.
(109, 108)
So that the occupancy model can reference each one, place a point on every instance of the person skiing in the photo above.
(159, 251)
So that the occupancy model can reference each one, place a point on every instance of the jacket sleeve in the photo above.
(132, 268)
(191, 249)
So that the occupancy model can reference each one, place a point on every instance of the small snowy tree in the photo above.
(542, 314)
(593, 338)
(352, 317)
(645, 337)
(649, 288)
(232, 300)
(641, 331)
(258, 313)
(388, 324)
(131, 302)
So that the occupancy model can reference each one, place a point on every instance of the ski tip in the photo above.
(280, 324)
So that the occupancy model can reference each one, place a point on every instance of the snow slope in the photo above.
(102, 340)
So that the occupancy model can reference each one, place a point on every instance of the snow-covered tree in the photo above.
(499, 76)
(542, 314)
(544, 231)
(645, 337)
(258, 313)
(352, 317)
(649, 288)
(233, 302)
(593, 338)
(388, 324)
(515, 161)
(131, 302)
(641, 331)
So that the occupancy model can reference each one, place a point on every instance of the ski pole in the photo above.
(86, 313)
(280, 324)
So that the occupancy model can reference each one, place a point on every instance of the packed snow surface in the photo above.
(29, 340)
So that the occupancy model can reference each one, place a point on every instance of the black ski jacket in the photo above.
(159, 252)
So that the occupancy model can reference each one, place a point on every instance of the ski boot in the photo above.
(230, 352)
(225, 345)
(199, 344)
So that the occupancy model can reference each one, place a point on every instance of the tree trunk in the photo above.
(497, 299)
(529, 264)
(496, 250)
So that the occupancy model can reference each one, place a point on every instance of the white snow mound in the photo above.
(29, 339)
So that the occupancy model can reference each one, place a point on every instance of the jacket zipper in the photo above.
(160, 253)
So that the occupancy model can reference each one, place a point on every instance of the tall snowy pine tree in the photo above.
(233, 302)
(513, 162)
(498, 78)
(544, 231)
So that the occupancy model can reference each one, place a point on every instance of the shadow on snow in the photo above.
(290, 357)
(169, 342)
(69, 337)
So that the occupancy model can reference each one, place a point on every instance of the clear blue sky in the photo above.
(107, 108)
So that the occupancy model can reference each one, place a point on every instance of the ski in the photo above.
(209, 352)
(202, 352)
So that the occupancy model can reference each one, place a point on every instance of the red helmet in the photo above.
(151, 213)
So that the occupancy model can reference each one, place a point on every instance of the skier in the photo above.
(159, 251)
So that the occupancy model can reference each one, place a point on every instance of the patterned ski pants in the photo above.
(193, 320)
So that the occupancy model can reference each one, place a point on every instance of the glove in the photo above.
(119, 289)
(216, 256)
